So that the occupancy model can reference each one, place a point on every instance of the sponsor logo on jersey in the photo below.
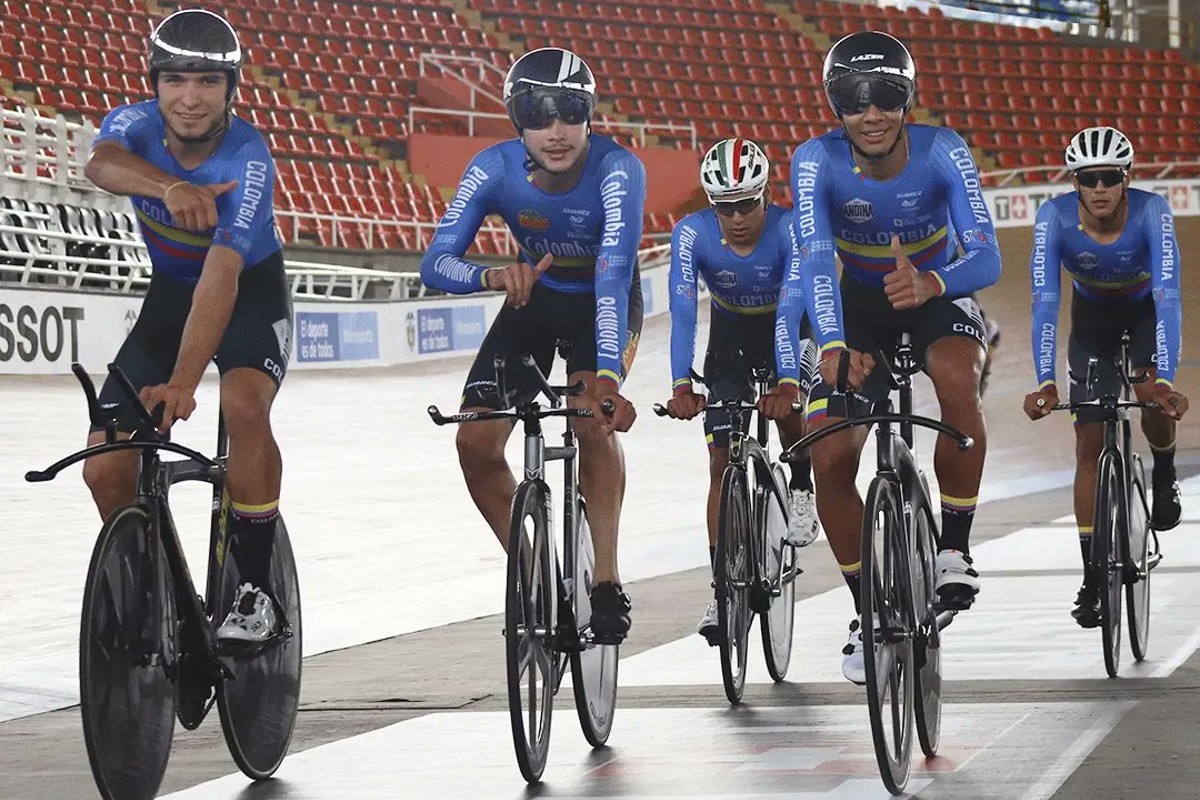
(805, 180)
(253, 193)
(1167, 231)
(1087, 260)
(1039, 256)
(1046, 342)
(726, 279)
(687, 239)
(471, 183)
(601, 265)
(824, 305)
(858, 211)
(607, 328)
(970, 178)
(612, 197)
(978, 236)
(528, 218)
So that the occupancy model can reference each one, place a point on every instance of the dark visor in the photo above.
(855, 93)
(1092, 177)
(538, 108)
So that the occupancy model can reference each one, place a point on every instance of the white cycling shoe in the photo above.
(252, 620)
(852, 656)
(802, 522)
(957, 580)
(710, 624)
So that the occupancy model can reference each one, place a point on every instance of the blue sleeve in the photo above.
(133, 127)
(443, 266)
(244, 213)
(683, 303)
(979, 265)
(813, 282)
(789, 313)
(623, 197)
(1046, 283)
(1165, 287)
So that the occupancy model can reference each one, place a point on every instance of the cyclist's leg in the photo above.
(146, 357)
(252, 359)
(1158, 427)
(950, 335)
(480, 445)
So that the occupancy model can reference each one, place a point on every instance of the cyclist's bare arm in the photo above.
(114, 169)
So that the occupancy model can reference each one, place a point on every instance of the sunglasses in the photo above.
(855, 93)
(539, 108)
(743, 207)
(1093, 178)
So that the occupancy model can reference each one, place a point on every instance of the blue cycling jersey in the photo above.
(935, 197)
(1144, 260)
(592, 230)
(245, 214)
(737, 284)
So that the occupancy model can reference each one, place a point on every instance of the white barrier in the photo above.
(43, 330)
(1015, 207)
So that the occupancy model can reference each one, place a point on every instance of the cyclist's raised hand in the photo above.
(1040, 403)
(1170, 402)
(861, 365)
(178, 402)
(777, 403)
(194, 208)
(685, 403)
(907, 287)
(623, 413)
(517, 279)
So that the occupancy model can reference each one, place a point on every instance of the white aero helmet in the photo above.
(1099, 147)
(734, 169)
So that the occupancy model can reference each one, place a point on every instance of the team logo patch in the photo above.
(1087, 260)
(726, 279)
(532, 220)
(602, 265)
(858, 211)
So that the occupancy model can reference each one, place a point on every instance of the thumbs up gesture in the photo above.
(907, 287)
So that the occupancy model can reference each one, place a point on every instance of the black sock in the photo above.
(855, 584)
(712, 559)
(1164, 464)
(957, 515)
(1085, 550)
(252, 531)
(801, 475)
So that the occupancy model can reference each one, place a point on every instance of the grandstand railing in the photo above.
(460, 68)
(46, 154)
(641, 129)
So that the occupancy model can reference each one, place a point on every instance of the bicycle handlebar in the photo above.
(792, 453)
(1102, 402)
(723, 405)
(51, 472)
(509, 413)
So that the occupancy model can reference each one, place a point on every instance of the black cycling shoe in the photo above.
(610, 614)
(1167, 508)
(1087, 607)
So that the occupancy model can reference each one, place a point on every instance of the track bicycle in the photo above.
(902, 617)
(1125, 547)
(755, 569)
(547, 604)
(147, 646)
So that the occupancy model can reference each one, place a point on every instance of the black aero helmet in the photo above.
(546, 83)
(869, 68)
(195, 40)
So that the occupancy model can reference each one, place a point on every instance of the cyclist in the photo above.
(201, 181)
(883, 193)
(573, 201)
(1119, 246)
(741, 246)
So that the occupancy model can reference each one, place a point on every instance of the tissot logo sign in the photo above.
(47, 334)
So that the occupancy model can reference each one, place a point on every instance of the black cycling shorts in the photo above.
(738, 344)
(259, 334)
(872, 326)
(548, 319)
(1096, 330)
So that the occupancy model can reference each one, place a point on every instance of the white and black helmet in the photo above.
(549, 82)
(1099, 147)
(195, 40)
(734, 169)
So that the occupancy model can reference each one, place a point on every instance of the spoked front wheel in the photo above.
(531, 599)
(732, 577)
(887, 630)
(927, 649)
(127, 654)
(1107, 540)
(779, 570)
(594, 670)
(1138, 564)
(258, 702)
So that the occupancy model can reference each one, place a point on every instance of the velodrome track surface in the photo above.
(403, 692)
